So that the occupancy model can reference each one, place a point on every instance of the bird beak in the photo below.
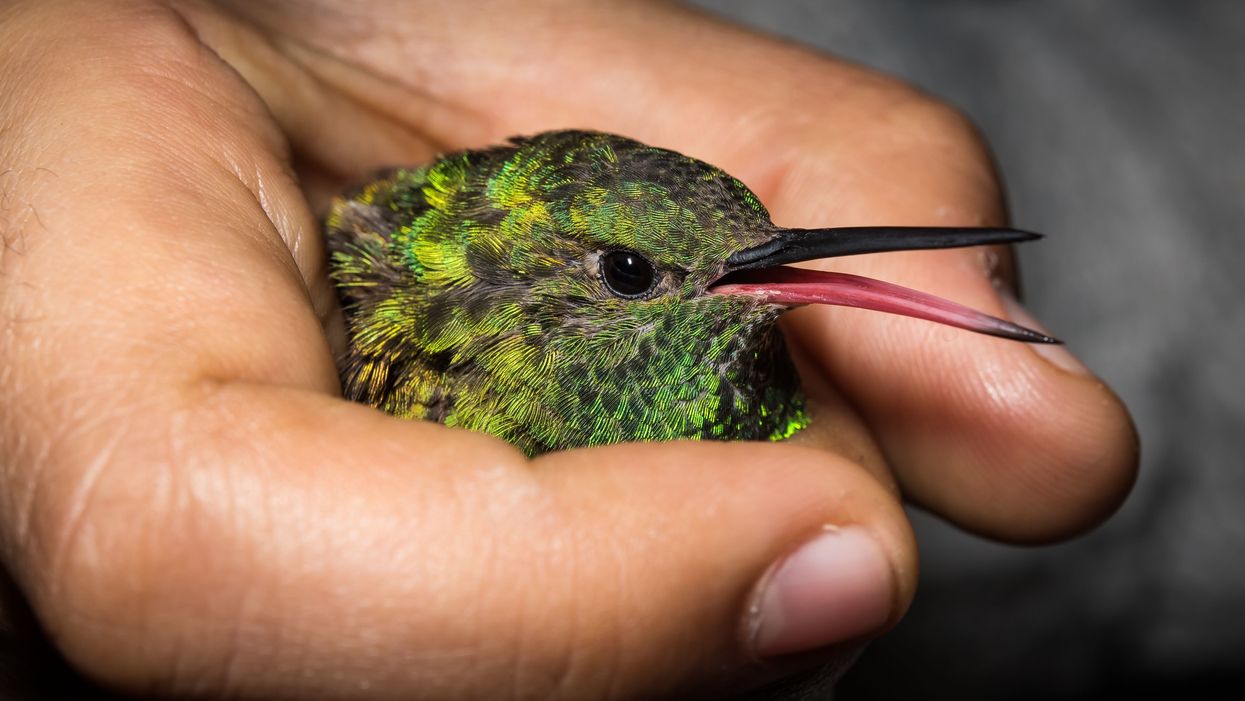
(760, 272)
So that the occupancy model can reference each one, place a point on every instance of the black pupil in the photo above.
(627, 274)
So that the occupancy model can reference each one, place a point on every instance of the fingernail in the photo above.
(836, 587)
(1057, 354)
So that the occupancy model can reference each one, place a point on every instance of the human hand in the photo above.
(189, 506)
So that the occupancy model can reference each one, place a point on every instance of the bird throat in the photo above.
(710, 368)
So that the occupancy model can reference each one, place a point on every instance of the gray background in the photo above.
(1120, 129)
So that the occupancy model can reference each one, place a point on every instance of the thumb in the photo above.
(339, 553)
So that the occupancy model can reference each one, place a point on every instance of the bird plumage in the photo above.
(478, 293)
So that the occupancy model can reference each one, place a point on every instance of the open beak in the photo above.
(760, 271)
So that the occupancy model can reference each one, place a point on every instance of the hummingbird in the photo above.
(577, 288)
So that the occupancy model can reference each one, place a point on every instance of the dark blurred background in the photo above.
(1119, 126)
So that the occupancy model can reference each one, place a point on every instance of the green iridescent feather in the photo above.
(474, 297)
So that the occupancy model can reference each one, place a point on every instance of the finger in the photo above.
(338, 135)
(285, 563)
(1016, 441)
(191, 510)
(1012, 441)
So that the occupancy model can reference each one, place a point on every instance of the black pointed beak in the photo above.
(796, 245)
(759, 271)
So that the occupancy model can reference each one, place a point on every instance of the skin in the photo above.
(188, 505)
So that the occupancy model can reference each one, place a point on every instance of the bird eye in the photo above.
(627, 273)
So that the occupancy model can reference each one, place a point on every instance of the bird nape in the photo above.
(579, 288)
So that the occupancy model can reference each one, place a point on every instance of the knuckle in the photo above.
(928, 129)
(937, 120)
(81, 567)
(107, 579)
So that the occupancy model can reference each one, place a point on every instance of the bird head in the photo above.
(578, 288)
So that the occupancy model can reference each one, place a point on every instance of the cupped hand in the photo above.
(190, 507)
